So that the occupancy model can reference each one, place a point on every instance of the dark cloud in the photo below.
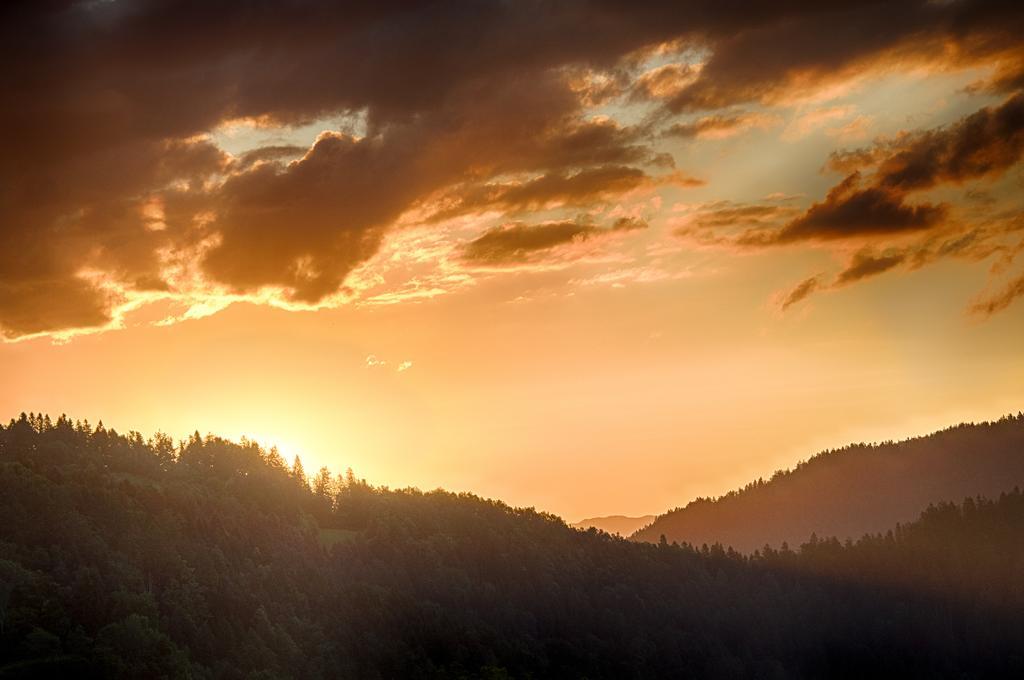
(107, 103)
(768, 56)
(38, 304)
(987, 306)
(518, 243)
(866, 264)
(304, 226)
(978, 146)
(850, 211)
(984, 143)
(86, 212)
(345, 191)
(112, 95)
(975, 245)
(800, 292)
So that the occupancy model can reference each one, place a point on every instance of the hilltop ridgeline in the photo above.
(126, 558)
(855, 490)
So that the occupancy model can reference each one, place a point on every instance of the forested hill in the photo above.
(855, 490)
(124, 558)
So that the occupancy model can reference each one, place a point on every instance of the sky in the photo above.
(592, 257)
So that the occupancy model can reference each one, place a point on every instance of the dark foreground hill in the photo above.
(855, 490)
(127, 559)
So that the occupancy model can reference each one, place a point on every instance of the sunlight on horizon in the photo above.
(600, 274)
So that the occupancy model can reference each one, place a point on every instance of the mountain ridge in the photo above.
(855, 489)
(125, 558)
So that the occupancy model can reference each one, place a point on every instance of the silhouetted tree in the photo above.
(298, 473)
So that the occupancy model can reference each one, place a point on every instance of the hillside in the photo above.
(122, 558)
(855, 490)
(619, 525)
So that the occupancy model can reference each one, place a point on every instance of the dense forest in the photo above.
(127, 558)
(864, 488)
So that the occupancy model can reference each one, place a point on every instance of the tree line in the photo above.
(125, 557)
(857, 489)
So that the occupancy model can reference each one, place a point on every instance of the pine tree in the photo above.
(298, 473)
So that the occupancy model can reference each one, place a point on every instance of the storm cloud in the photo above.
(111, 175)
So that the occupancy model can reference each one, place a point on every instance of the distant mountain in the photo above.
(855, 490)
(615, 524)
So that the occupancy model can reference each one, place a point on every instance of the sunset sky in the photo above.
(593, 257)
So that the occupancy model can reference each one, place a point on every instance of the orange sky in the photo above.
(627, 400)
(649, 260)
